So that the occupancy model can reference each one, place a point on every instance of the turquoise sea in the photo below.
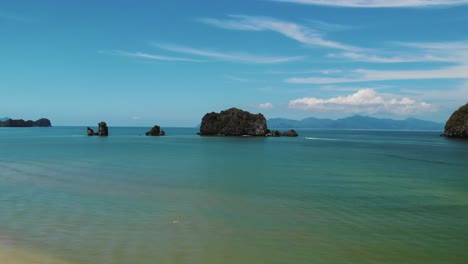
(324, 197)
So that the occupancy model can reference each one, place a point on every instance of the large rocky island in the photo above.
(457, 125)
(233, 122)
(236, 122)
(43, 122)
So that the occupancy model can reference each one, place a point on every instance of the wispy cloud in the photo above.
(265, 89)
(265, 106)
(229, 56)
(453, 53)
(291, 30)
(362, 57)
(237, 79)
(454, 72)
(378, 3)
(329, 27)
(457, 45)
(325, 71)
(336, 88)
(459, 93)
(142, 55)
(363, 101)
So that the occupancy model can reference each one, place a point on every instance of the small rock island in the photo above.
(156, 131)
(290, 133)
(457, 124)
(43, 122)
(103, 130)
(237, 122)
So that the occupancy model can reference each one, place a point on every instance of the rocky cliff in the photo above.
(457, 125)
(233, 122)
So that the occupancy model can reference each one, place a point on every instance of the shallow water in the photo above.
(324, 197)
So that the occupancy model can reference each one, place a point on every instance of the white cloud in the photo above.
(362, 57)
(226, 56)
(453, 53)
(364, 75)
(447, 46)
(378, 3)
(265, 106)
(136, 117)
(329, 27)
(363, 101)
(291, 30)
(321, 80)
(151, 56)
(324, 71)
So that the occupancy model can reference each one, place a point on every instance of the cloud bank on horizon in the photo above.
(363, 101)
(294, 59)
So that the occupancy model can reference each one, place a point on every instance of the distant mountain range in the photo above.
(4, 118)
(356, 122)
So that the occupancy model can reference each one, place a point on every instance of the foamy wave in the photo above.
(327, 139)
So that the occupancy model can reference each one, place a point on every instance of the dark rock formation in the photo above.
(156, 131)
(273, 133)
(457, 125)
(43, 122)
(91, 132)
(102, 130)
(290, 133)
(233, 122)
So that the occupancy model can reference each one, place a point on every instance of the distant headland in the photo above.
(43, 122)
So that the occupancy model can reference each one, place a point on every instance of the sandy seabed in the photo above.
(11, 254)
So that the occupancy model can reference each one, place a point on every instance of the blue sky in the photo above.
(140, 63)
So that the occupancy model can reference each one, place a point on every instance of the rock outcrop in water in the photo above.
(273, 133)
(290, 133)
(277, 133)
(233, 122)
(43, 122)
(90, 132)
(457, 125)
(156, 131)
(103, 130)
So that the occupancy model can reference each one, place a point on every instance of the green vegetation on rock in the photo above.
(457, 125)
(43, 122)
(233, 122)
